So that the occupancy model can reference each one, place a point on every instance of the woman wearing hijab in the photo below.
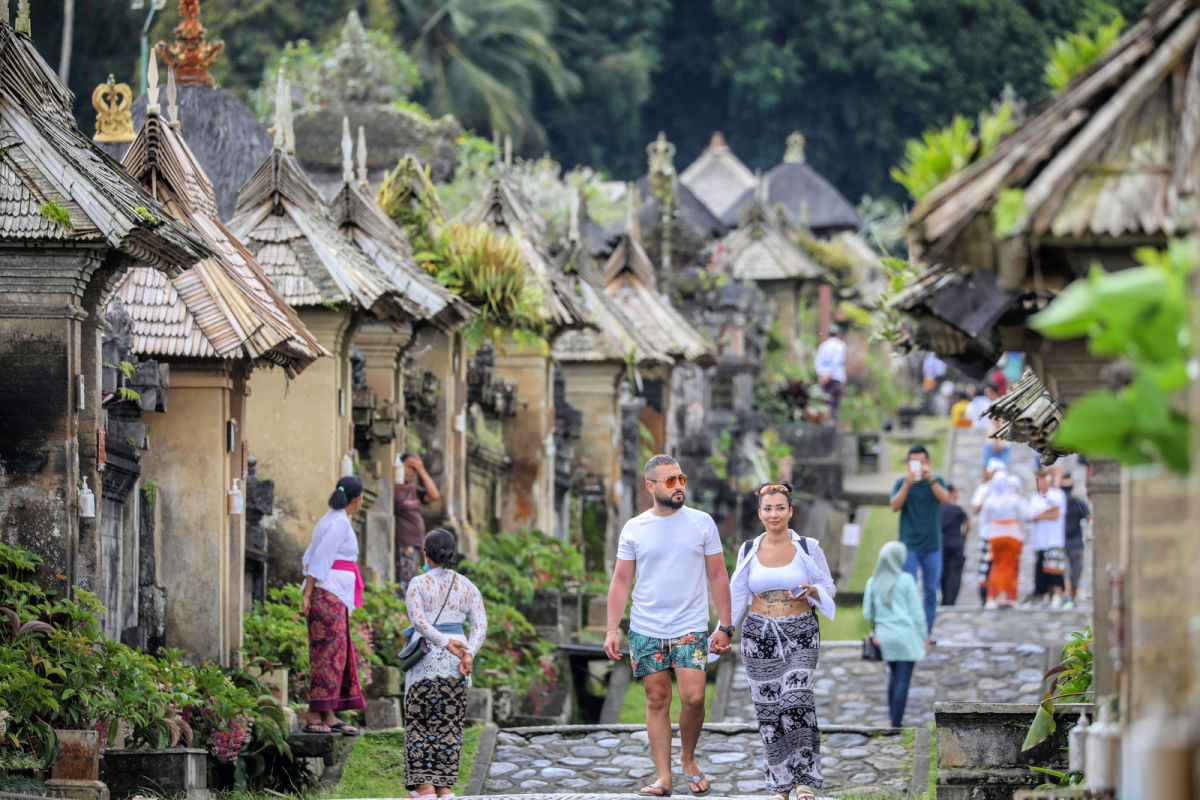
(1000, 520)
(892, 604)
(332, 589)
(435, 688)
(783, 578)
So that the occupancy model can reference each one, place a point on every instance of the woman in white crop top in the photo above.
(782, 579)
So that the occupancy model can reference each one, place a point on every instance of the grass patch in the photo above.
(882, 526)
(935, 443)
(376, 766)
(633, 707)
(848, 625)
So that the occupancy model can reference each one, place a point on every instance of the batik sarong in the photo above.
(780, 657)
(434, 712)
(333, 673)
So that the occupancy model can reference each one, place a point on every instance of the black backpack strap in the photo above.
(804, 544)
(746, 548)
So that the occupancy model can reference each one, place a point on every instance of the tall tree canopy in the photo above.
(593, 81)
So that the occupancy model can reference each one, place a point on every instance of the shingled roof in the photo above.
(628, 277)
(362, 221)
(1113, 160)
(760, 251)
(224, 306)
(504, 209)
(288, 227)
(46, 163)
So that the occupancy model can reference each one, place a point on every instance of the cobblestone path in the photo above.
(616, 758)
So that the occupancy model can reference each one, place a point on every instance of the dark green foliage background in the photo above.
(858, 77)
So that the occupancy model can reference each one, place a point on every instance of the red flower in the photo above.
(689, 639)
(658, 656)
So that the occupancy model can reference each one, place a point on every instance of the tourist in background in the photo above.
(831, 369)
(984, 567)
(1048, 540)
(1004, 512)
(918, 497)
(1078, 511)
(412, 489)
(675, 553)
(955, 526)
(332, 589)
(992, 448)
(893, 607)
(782, 578)
(958, 411)
(435, 688)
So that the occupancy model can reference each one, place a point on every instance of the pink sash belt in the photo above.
(350, 566)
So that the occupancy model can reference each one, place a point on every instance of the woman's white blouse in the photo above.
(333, 540)
(811, 565)
(424, 598)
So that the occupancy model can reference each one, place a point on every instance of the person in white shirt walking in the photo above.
(1048, 540)
(831, 369)
(675, 553)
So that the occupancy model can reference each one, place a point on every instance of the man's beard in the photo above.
(670, 502)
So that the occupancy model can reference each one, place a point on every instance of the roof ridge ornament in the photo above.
(22, 23)
(285, 137)
(172, 98)
(794, 153)
(152, 106)
(347, 152)
(362, 157)
(190, 53)
(114, 115)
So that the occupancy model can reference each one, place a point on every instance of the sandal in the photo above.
(805, 793)
(700, 776)
(316, 727)
(655, 790)
(349, 730)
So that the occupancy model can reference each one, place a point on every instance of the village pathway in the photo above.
(984, 655)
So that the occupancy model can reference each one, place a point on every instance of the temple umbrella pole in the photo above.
(144, 52)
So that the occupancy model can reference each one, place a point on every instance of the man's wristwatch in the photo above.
(726, 629)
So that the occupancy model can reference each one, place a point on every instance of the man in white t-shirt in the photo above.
(831, 369)
(675, 554)
(1048, 540)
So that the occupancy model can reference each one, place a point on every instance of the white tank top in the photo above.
(761, 579)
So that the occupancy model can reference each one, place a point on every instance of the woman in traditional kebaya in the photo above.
(332, 589)
(435, 688)
(783, 578)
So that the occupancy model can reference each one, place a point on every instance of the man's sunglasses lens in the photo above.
(671, 481)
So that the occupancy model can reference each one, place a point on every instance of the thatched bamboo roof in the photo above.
(1030, 414)
(45, 162)
(287, 225)
(505, 210)
(628, 277)
(1113, 161)
(224, 306)
(360, 219)
(719, 178)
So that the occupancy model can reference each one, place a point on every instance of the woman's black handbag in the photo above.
(417, 645)
(870, 647)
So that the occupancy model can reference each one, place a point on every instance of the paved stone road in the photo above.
(617, 758)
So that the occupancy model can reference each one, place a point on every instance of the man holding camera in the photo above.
(918, 497)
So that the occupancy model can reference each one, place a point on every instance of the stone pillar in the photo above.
(529, 494)
(1104, 491)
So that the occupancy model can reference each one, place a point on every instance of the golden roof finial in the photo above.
(172, 97)
(190, 54)
(347, 152)
(362, 157)
(114, 119)
(152, 106)
(794, 154)
(22, 23)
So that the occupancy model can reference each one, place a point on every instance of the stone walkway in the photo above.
(984, 655)
(616, 758)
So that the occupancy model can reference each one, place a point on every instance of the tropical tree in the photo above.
(481, 60)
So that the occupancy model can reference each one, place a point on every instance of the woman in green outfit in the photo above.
(892, 605)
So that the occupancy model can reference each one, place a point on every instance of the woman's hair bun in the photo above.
(348, 488)
(441, 547)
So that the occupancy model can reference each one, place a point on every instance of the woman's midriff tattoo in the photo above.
(778, 603)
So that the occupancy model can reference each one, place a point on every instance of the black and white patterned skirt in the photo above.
(780, 657)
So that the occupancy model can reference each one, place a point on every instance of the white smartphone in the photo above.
(914, 466)
(800, 592)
